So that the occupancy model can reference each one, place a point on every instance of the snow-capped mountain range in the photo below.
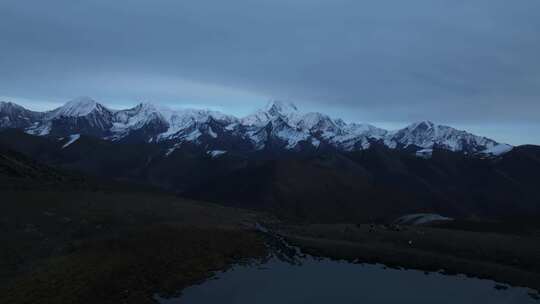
(279, 126)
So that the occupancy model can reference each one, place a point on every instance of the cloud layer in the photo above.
(461, 62)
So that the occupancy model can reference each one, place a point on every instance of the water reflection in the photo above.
(326, 281)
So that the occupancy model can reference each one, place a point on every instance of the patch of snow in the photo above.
(257, 138)
(421, 219)
(212, 133)
(497, 150)
(170, 150)
(424, 153)
(216, 153)
(292, 137)
(315, 120)
(192, 136)
(258, 118)
(71, 139)
(231, 127)
(39, 130)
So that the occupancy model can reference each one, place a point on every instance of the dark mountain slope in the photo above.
(380, 182)
(326, 188)
(36, 147)
(333, 186)
(474, 185)
(18, 171)
(143, 163)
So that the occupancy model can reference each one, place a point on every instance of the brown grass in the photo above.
(131, 269)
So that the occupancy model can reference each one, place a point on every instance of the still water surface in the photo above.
(325, 281)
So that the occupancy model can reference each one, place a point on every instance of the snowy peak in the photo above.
(82, 115)
(427, 135)
(143, 114)
(78, 107)
(274, 109)
(14, 116)
(318, 121)
(279, 107)
(10, 108)
(279, 126)
(278, 132)
(146, 107)
(418, 133)
(7, 106)
(290, 125)
(159, 123)
(421, 126)
(365, 129)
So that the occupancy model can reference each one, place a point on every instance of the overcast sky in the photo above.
(472, 64)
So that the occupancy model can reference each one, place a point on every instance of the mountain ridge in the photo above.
(278, 127)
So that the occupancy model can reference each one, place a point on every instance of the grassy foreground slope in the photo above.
(67, 238)
(113, 247)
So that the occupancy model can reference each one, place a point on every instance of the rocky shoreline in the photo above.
(421, 249)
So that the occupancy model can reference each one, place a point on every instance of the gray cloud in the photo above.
(469, 63)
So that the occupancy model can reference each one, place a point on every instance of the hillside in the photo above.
(380, 183)
(374, 183)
